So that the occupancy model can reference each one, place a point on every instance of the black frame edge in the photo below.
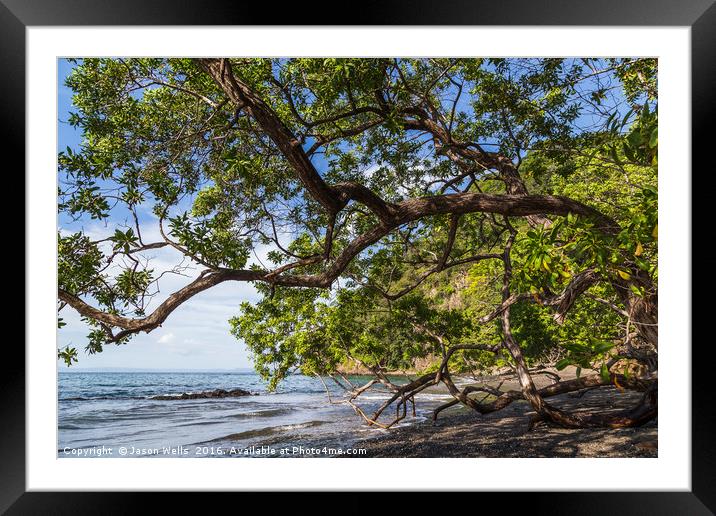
(371, 12)
(699, 14)
(703, 111)
(12, 114)
(553, 504)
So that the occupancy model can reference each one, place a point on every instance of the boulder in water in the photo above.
(217, 393)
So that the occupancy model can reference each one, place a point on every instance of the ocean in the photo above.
(113, 414)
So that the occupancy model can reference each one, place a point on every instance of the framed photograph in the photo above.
(423, 240)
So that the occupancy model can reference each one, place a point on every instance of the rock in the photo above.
(647, 445)
(218, 393)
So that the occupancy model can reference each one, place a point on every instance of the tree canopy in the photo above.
(411, 214)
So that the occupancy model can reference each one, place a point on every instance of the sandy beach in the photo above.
(460, 432)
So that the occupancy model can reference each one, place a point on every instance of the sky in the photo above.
(195, 336)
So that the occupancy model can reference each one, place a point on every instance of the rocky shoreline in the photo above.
(460, 432)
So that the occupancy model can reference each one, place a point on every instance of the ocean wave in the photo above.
(101, 398)
(268, 413)
(263, 413)
(269, 430)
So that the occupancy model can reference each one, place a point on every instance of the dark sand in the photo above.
(460, 432)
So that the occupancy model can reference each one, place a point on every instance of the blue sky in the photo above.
(195, 336)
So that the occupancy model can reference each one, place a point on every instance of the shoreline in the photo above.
(460, 432)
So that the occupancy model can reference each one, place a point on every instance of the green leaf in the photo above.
(562, 364)
(601, 346)
(624, 275)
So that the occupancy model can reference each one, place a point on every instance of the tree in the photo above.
(367, 179)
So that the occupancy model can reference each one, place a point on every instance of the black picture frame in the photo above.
(700, 15)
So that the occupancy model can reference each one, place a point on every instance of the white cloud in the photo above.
(166, 338)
